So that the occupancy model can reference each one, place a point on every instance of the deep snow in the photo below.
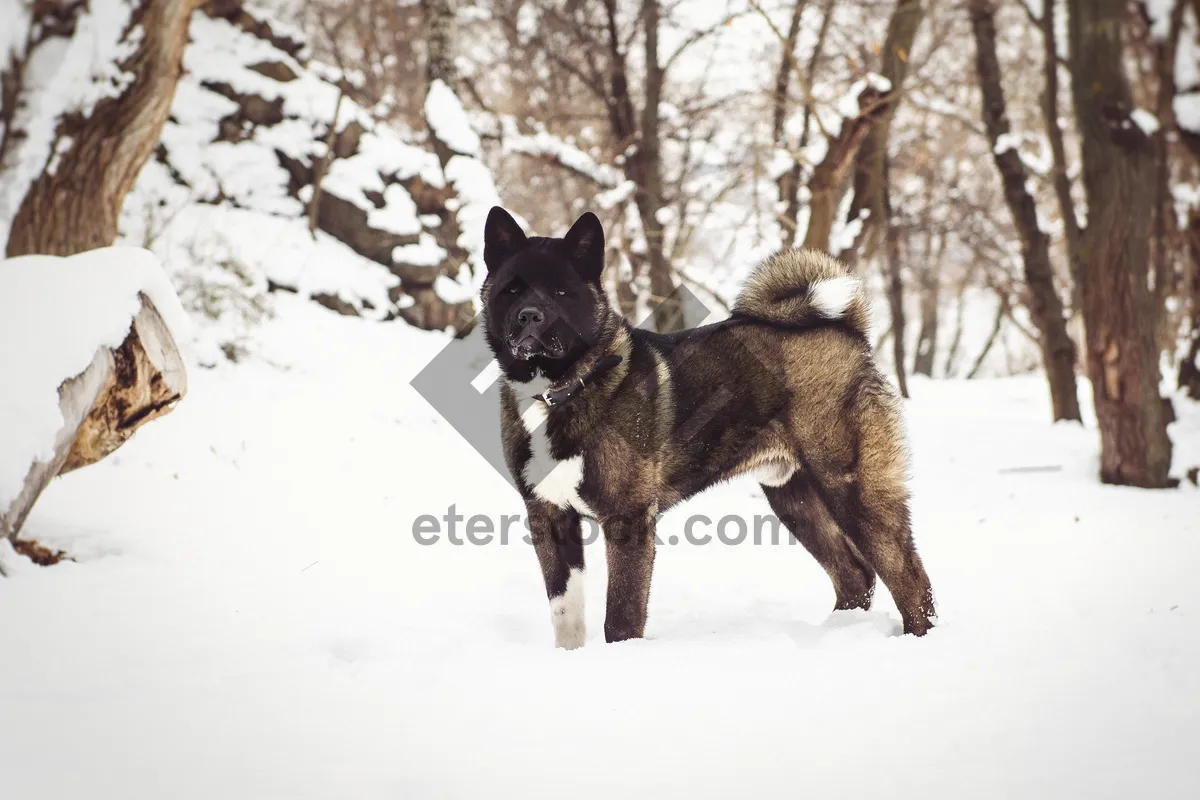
(250, 616)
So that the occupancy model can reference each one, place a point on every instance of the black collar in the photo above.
(555, 397)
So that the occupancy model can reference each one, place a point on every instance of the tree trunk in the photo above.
(1045, 305)
(929, 283)
(668, 314)
(780, 105)
(76, 205)
(1058, 151)
(997, 323)
(869, 166)
(1189, 366)
(789, 184)
(783, 78)
(121, 390)
(644, 166)
(828, 178)
(1165, 242)
(955, 340)
(892, 259)
(1188, 378)
(1118, 307)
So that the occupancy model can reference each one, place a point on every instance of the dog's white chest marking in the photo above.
(556, 482)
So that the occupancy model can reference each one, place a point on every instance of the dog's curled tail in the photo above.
(804, 288)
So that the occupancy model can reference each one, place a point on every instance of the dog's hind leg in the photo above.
(801, 510)
(871, 505)
(880, 528)
(558, 541)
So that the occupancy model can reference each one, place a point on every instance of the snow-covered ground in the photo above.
(249, 616)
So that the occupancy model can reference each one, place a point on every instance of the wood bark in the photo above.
(1058, 151)
(783, 78)
(827, 189)
(893, 269)
(871, 168)
(1189, 367)
(668, 313)
(1118, 306)
(948, 368)
(929, 283)
(781, 104)
(828, 178)
(872, 153)
(1188, 377)
(76, 205)
(1165, 241)
(1045, 305)
(121, 390)
(997, 323)
(637, 135)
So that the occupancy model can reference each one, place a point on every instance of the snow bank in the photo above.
(449, 122)
(230, 188)
(205, 178)
(54, 315)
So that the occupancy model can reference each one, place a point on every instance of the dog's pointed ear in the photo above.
(585, 245)
(502, 237)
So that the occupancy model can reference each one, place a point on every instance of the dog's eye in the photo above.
(513, 289)
(561, 292)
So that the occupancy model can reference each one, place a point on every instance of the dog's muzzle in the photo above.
(528, 348)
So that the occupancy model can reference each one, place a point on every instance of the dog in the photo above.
(603, 419)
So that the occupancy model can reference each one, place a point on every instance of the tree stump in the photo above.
(121, 390)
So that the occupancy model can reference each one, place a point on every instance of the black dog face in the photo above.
(542, 297)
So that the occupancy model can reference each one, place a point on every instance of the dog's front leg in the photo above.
(559, 544)
(629, 545)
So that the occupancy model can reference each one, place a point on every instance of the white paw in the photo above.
(566, 612)
(569, 637)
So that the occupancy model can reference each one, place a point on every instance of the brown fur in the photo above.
(779, 291)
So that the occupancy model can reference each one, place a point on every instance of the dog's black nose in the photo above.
(530, 316)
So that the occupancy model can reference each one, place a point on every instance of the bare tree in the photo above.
(929, 278)
(1058, 150)
(647, 171)
(75, 203)
(780, 104)
(871, 173)
(1045, 305)
(872, 153)
(1118, 306)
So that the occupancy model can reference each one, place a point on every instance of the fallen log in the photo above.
(121, 389)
